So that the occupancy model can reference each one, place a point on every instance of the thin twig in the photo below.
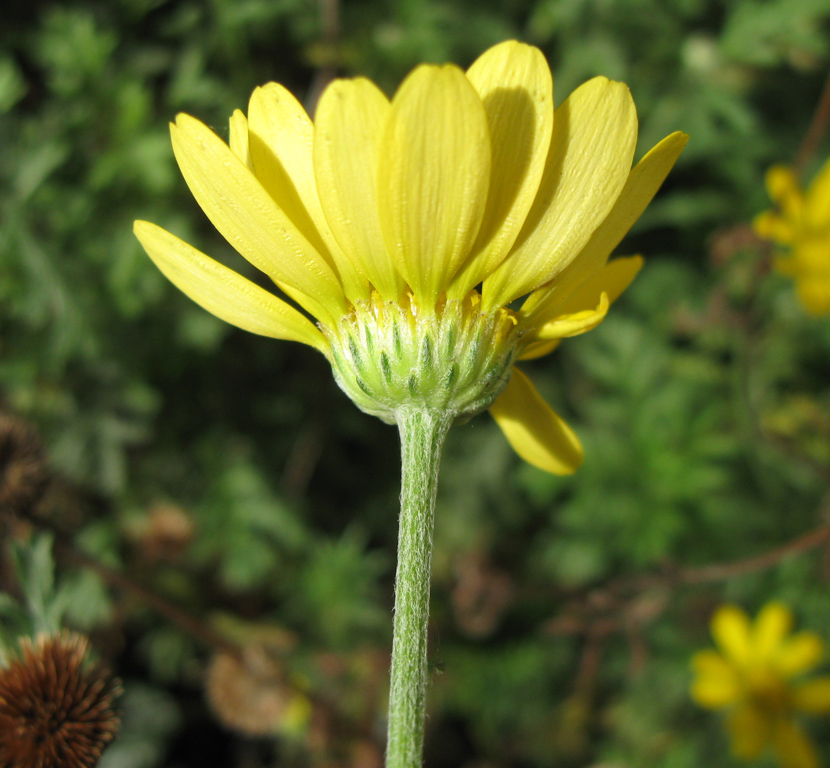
(815, 133)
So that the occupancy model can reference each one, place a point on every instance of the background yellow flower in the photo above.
(754, 676)
(801, 224)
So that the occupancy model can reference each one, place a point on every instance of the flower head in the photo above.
(55, 710)
(801, 224)
(755, 676)
(407, 229)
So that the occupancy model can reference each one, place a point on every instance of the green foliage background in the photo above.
(702, 401)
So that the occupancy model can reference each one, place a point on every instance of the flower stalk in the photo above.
(422, 433)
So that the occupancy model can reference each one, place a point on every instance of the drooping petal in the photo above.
(792, 746)
(238, 137)
(574, 323)
(716, 683)
(773, 623)
(812, 696)
(433, 177)
(749, 730)
(536, 432)
(731, 631)
(348, 130)
(799, 653)
(223, 292)
(516, 87)
(281, 138)
(248, 218)
(642, 184)
(587, 167)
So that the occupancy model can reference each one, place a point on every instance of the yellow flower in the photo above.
(801, 224)
(408, 228)
(755, 676)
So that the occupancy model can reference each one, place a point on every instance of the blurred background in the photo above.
(222, 520)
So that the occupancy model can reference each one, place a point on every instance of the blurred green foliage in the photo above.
(229, 474)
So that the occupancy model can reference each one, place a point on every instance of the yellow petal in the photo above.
(534, 430)
(348, 129)
(433, 177)
(612, 280)
(574, 323)
(815, 295)
(817, 200)
(539, 349)
(640, 187)
(800, 653)
(793, 747)
(750, 731)
(238, 137)
(812, 696)
(773, 623)
(716, 683)
(516, 87)
(771, 226)
(588, 164)
(223, 292)
(731, 631)
(250, 221)
(784, 190)
(281, 138)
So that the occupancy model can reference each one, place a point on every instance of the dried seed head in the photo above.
(56, 709)
(23, 473)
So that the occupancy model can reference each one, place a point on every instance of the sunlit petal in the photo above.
(348, 127)
(587, 167)
(223, 292)
(434, 176)
(516, 87)
(248, 218)
(640, 187)
(281, 137)
(534, 429)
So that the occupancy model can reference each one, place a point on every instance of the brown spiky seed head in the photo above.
(56, 708)
(23, 472)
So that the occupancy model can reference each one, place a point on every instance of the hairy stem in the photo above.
(422, 437)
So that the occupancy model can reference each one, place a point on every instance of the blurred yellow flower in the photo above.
(754, 675)
(801, 223)
(407, 229)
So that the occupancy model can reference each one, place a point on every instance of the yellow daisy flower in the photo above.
(408, 228)
(754, 675)
(801, 223)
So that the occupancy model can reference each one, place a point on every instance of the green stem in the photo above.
(422, 437)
